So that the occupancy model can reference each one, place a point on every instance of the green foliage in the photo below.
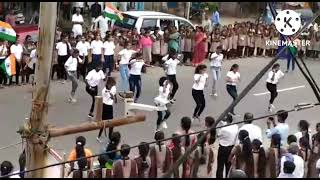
(212, 6)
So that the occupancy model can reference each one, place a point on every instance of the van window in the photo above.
(165, 23)
(149, 24)
(128, 22)
(183, 23)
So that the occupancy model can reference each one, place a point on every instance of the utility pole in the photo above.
(188, 10)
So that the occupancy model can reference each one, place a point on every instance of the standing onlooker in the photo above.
(64, 50)
(200, 82)
(275, 152)
(83, 47)
(146, 46)
(11, 18)
(207, 24)
(281, 127)
(199, 53)
(17, 50)
(313, 168)
(304, 131)
(215, 18)
(3, 56)
(71, 66)
(143, 161)
(297, 160)
(77, 21)
(316, 134)
(288, 169)
(125, 167)
(96, 51)
(101, 24)
(227, 137)
(108, 49)
(95, 11)
(28, 46)
(233, 78)
(259, 159)
(253, 130)
(156, 46)
(174, 39)
(187, 53)
(216, 59)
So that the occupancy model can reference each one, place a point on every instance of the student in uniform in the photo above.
(229, 39)
(143, 161)
(313, 168)
(187, 53)
(233, 78)
(215, 41)
(241, 42)
(258, 41)
(215, 65)
(200, 82)
(274, 154)
(125, 167)
(259, 159)
(96, 51)
(77, 21)
(108, 51)
(273, 79)
(109, 98)
(64, 51)
(224, 43)
(83, 47)
(267, 38)
(235, 39)
(156, 46)
(71, 67)
(177, 151)
(93, 79)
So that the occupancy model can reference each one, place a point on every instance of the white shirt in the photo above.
(106, 95)
(62, 48)
(171, 66)
(108, 48)
(136, 67)
(253, 130)
(93, 78)
(234, 77)
(17, 51)
(71, 64)
(318, 166)
(203, 79)
(125, 55)
(77, 27)
(227, 135)
(96, 47)
(216, 60)
(162, 98)
(83, 48)
(3, 50)
(33, 56)
(278, 75)
(299, 162)
(103, 25)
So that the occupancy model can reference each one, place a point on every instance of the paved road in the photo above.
(15, 104)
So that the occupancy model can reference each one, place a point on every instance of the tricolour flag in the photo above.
(7, 33)
(112, 13)
(8, 66)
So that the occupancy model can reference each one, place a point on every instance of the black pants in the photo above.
(28, 72)
(272, 88)
(186, 56)
(107, 114)
(61, 72)
(135, 83)
(93, 92)
(161, 118)
(108, 64)
(223, 160)
(55, 69)
(232, 91)
(240, 49)
(250, 51)
(259, 51)
(173, 80)
(82, 68)
(3, 76)
(198, 97)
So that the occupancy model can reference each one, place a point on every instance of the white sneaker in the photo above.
(69, 100)
(73, 100)
(164, 125)
(271, 108)
(215, 94)
(98, 139)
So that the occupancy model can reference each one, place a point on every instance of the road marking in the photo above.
(280, 90)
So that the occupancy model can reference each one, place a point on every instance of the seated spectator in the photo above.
(78, 152)
(288, 169)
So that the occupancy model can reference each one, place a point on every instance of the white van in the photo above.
(150, 20)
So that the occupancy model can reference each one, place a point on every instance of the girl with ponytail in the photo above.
(303, 127)
(259, 159)
(125, 167)
(177, 152)
(143, 161)
(274, 154)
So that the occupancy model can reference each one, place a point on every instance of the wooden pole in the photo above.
(36, 131)
(98, 105)
(89, 126)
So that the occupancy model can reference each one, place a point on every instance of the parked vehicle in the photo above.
(150, 20)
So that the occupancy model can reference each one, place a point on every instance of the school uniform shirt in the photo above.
(227, 135)
(33, 58)
(234, 77)
(17, 51)
(229, 42)
(242, 40)
(106, 95)
(62, 48)
(235, 41)
(278, 75)
(77, 28)
(103, 23)
(136, 67)
(216, 60)
(71, 64)
(108, 48)
(172, 66)
(125, 55)
(3, 52)
(93, 78)
(162, 98)
(253, 130)
(83, 48)
(96, 47)
(201, 84)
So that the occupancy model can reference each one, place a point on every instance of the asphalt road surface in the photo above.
(15, 105)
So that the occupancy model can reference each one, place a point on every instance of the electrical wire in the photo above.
(298, 107)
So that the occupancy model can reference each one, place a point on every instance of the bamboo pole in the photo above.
(98, 106)
(90, 126)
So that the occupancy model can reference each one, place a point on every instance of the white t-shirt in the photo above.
(103, 25)
(203, 79)
(162, 98)
(17, 51)
(234, 77)
(33, 56)
(171, 66)
(109, 48)
(136, 67)
(216, 60)
(71, 64)
(83, 48)
(3, 51)
(278, 75)
(227, 135)
(96, 47)
(125, 55)
(77, 28)
(62, 48)
(253, 130)
(93, 78)
(106, 95)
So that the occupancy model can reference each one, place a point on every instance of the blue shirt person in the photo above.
(215, 19)
(281, 128)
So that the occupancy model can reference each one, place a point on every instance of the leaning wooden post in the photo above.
(36, 130)
(98, 106)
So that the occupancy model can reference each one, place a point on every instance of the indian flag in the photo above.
(9, 66)
(7, 33)
(112, 13)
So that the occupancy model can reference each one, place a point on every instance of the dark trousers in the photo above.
(250, 51)
(198, 97)
(232, 91)
(173, 80)
(135, 83)
(240, 49)
(161, 118)
(61, 72)
(96, 60)
(55, 69)
(223, 160)
(272, 88)
(186, 56)
(108, 64)
(291, 60)
(3, 76)
(82, 68)
(93, 92)
(28, 72)
(259, 51)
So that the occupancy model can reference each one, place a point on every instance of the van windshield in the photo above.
(128, 22)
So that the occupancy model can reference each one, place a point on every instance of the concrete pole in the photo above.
(188, 10)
